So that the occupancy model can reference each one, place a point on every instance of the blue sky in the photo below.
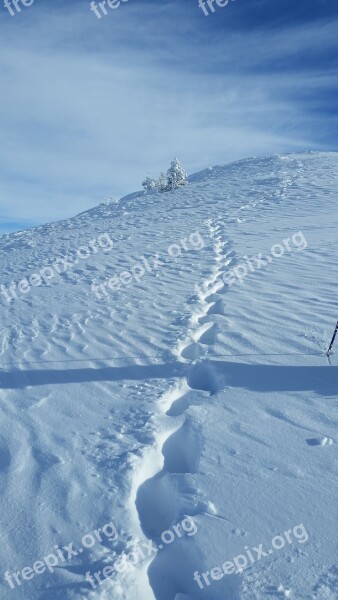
(90, 105)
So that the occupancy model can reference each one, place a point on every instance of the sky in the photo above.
(89, 105)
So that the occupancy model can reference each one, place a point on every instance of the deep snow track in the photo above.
(165, 497)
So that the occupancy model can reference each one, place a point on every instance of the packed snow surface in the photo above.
(189, 403)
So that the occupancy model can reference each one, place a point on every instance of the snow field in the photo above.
(166, 401)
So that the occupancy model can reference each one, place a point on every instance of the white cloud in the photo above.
(89, 110)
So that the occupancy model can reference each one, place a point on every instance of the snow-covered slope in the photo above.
(185, 412)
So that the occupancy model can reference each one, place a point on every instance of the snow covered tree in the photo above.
(149, 184)
(176, 175)
(162, 183)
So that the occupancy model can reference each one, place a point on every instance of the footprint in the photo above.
(209, 336)
(192, 352)
(5, 459)
(157, 503)
(178, 407)
(182, 450)
(326, 441)
(203, 377)
(45, 459)
(217, 308)
(280, 591)
(211, 298)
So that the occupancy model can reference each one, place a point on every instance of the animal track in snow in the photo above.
(158, 496)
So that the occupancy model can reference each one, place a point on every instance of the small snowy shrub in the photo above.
(149, 184)
(109, 200)
(176, 177)
(162, 183)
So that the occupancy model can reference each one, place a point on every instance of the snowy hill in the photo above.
(168, 418)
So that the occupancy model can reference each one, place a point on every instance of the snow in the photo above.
(188, 394)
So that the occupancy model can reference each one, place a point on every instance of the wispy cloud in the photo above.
(90, 106)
